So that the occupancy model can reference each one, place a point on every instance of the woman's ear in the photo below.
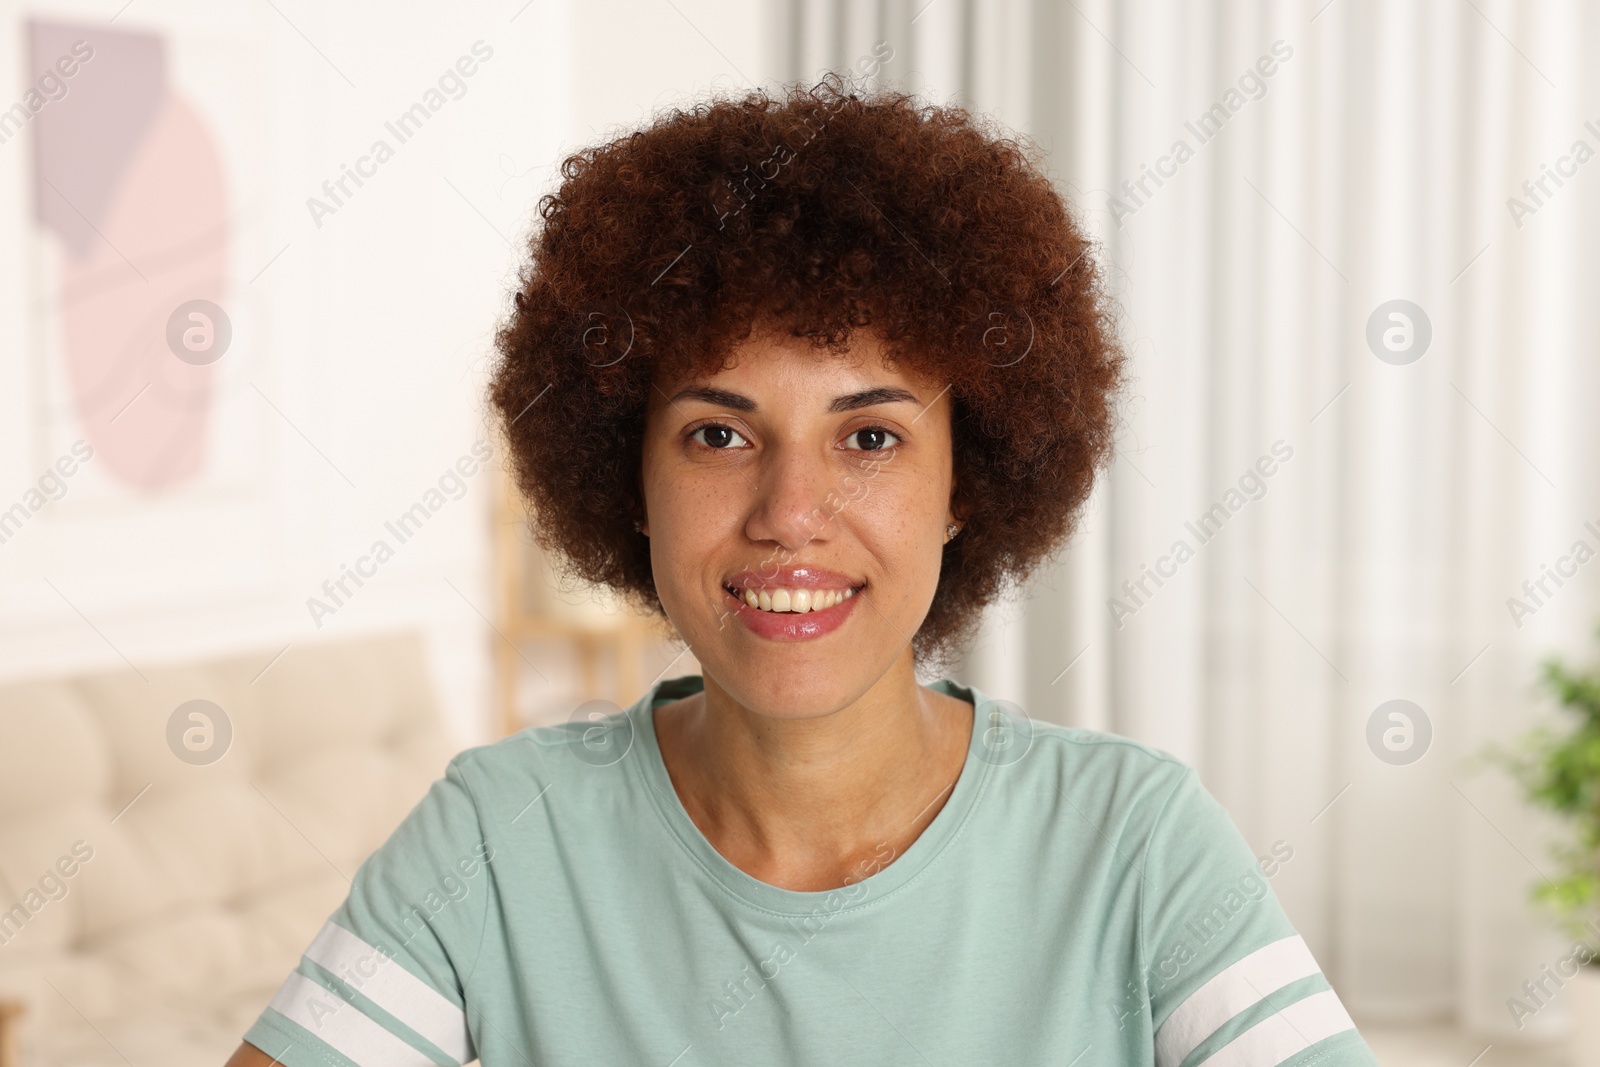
(956, 510)
(642, 523)
(954, 518)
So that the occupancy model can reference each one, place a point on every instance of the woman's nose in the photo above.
(795, 493)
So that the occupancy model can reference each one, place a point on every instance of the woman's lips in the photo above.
(790, 625)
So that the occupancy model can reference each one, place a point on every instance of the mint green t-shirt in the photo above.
(1080, 899)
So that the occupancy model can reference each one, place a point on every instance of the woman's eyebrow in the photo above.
(849, 402)
(869, 397)
(720, 397)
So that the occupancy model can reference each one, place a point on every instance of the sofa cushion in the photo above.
(194, 888)
(344, 799)
(216, 842)
(43, 874)
(66, 757)
(359, 693)
(134, 712)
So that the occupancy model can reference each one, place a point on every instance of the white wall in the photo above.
(361, 345)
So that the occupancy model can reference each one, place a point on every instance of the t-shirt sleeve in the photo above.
(1230, 982)
(382, 982)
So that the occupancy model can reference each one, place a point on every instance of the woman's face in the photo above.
(815, 484)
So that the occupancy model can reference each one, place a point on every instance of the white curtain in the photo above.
(1409, 497)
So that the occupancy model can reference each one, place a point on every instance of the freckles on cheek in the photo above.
(696, 522)
(895, 522)
(707, 511)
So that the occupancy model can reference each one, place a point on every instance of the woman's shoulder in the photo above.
(1088, 768)
(1084, 786)
(1105, 745)
(1086, 761)
(1010, 733)
(584, 750)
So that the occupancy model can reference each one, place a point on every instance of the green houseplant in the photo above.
(1557, 764)
(1558, 767)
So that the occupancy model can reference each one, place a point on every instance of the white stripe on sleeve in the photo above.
(340, 1024)
(1231, 991)
(1278, 1037)
(394, 989)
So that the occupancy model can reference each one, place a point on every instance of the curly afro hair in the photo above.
(826, 210)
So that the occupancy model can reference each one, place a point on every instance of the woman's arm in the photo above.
(249, 1056)
(382, 978)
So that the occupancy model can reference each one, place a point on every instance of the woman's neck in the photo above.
(820, 802)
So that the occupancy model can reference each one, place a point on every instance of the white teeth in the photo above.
(797, 601)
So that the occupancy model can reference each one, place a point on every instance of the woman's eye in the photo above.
(872, 439)
(718, 437)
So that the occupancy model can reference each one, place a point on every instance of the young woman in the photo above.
(814, 376)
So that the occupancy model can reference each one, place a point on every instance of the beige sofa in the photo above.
(151, 903)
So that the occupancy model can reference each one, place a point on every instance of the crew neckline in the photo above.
(934, 839)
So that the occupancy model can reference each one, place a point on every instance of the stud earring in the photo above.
(950, 532)
(638, 526)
